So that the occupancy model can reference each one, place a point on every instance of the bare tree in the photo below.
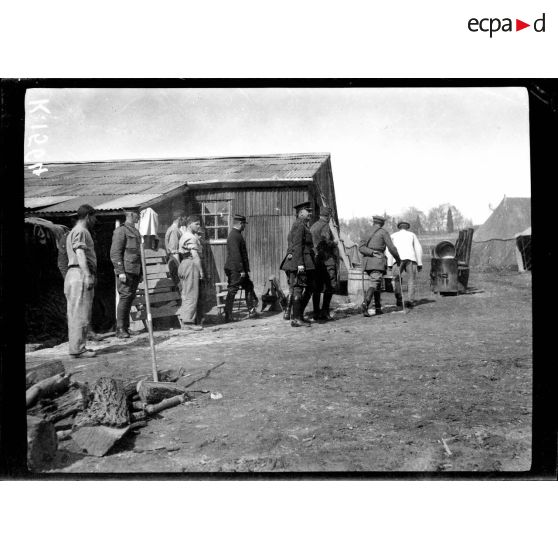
(436, 218)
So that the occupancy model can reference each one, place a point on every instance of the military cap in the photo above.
(379, 218)
(403, 223)
(304, 205)
(239, 218)
(326, 211)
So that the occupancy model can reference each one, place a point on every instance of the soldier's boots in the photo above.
(297, 320)
(367, 301)
(121, 333)
(229, 304)
(303, 303)
(253, 313)
(378, 302)
(288, 308)
(325, 315)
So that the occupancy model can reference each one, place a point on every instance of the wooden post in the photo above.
(148, 307)
(117, 299)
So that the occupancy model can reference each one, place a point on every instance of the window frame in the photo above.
(203, 214)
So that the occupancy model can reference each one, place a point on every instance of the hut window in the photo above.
(216, 219)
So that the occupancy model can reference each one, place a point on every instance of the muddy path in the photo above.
(444, 387)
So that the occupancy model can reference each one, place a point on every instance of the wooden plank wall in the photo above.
(270, 215)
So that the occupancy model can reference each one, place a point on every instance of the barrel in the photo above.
(354, 283)
(444, 249)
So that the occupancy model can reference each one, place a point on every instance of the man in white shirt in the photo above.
(410, 252)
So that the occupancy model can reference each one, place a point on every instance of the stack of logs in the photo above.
(94, 418)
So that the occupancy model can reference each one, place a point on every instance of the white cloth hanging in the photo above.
(149, 222)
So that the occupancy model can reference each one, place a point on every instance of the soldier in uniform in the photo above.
(125, 255)
(375, 261)
(237, 269)
(326, 264)
(172, 245)
(300, 265)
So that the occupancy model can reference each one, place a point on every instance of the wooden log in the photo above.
(171, 374)
(47, 387)
(138, 406)
(140, 415)
(166, 404)
(131, 386)
(98, 440)
(154, 392)
(38, 371)
(69, 404)
(42, 443)
(108, 407)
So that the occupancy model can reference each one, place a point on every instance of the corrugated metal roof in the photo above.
(162, 176)
(44, 201)
(100, 203)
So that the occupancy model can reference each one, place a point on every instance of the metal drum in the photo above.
(444, 249)
(443, 275)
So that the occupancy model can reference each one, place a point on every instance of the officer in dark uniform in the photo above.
(326, 264)
(125, 255)
(301, 265)
(375, 261)
(237, 268)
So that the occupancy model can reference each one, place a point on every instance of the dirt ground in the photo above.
(443, 387)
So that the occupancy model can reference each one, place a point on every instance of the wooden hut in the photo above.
(263, 187)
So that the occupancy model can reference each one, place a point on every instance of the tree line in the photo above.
(442, 218)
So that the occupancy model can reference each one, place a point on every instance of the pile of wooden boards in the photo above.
(96, 417)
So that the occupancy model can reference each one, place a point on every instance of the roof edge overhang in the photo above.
(248, 183)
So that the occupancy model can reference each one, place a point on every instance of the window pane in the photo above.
(209, 207)
(209, 221)
(222, 208)
(222, 232)
(223, 220)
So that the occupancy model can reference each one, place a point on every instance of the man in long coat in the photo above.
(375, 261)
(237, 269)
(301, 265)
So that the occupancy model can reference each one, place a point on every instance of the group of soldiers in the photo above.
(311, 265)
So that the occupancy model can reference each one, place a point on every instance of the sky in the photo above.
(390, 148)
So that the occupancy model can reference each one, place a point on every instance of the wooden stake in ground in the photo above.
(149, 319)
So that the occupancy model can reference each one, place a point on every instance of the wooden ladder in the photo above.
(164, 296)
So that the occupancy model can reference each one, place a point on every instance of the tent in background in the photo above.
(494, 243)
(523, 250)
